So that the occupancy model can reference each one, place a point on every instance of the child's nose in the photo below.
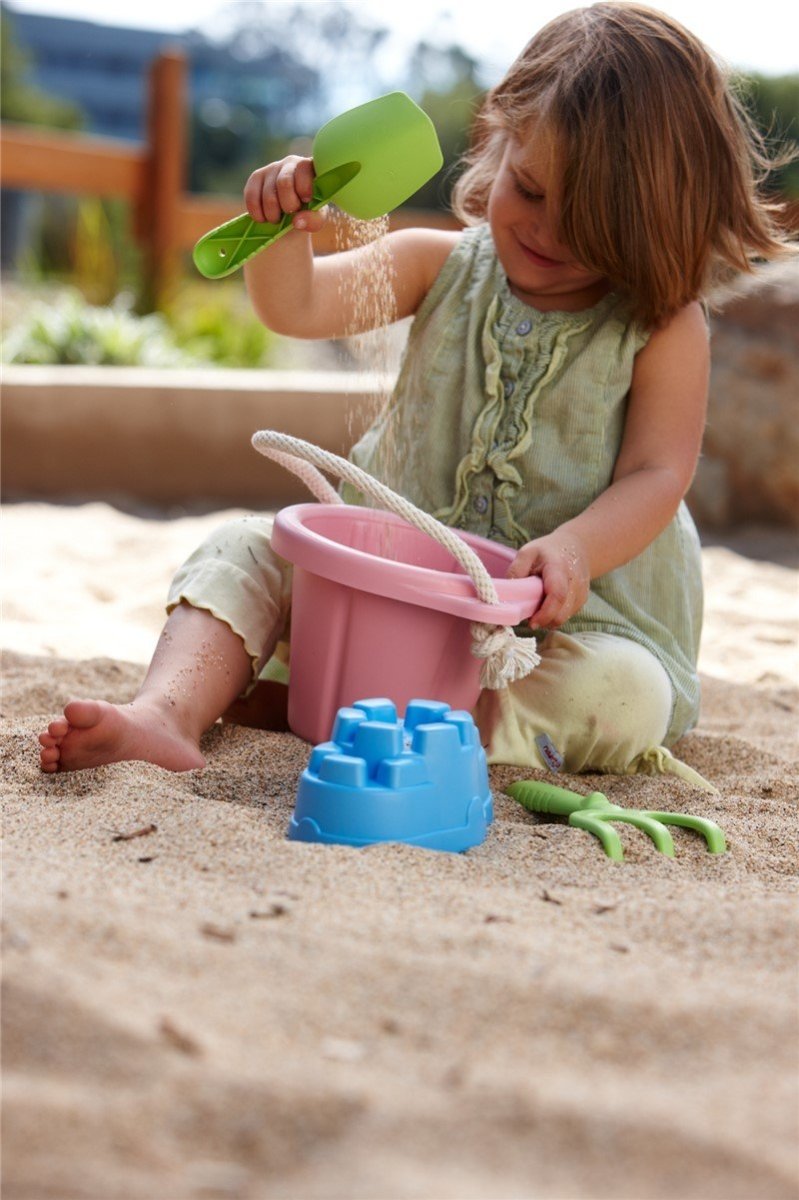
(539, 232)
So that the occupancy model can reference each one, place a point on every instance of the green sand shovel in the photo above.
(592, 813)
(369, 160)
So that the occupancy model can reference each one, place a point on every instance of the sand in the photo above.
(208, 1010)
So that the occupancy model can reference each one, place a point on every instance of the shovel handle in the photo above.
(224, 249)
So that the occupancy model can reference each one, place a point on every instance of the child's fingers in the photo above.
(303, 179)
(278, 188)
(308, 221)
(551, 612)
(287, 193)
(564, 595)
(259, 194)
(562, 566)
(524, 563)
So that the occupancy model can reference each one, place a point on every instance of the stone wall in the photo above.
(749, 470)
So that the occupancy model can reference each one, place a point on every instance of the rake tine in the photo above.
(645, 821)
(591, 823)
(710, 831)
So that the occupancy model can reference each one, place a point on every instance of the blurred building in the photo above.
(103, 69)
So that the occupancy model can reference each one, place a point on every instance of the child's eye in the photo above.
(525, 192)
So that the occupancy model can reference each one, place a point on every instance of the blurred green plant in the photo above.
(86, 243)
(70, 331)
(773, 101)
(215, 323)
(203, 327)
(105, 259)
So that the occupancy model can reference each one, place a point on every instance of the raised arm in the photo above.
(303, 296)
(656, 463)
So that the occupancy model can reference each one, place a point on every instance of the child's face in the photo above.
(522, 213)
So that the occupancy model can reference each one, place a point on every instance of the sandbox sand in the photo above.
(207, 1010)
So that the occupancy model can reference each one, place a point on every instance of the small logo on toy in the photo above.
(553, 759)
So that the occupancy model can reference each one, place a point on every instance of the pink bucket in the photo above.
(379, 608)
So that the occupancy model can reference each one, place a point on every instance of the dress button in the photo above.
(509, 387)
(524, 327)
(481, 504)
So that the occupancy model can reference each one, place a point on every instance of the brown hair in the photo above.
(659, 163)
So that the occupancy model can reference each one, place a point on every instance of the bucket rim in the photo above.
(452, 592)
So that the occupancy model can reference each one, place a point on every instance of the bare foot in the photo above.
(94, 732)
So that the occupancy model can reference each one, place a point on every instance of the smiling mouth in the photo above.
(540, 260)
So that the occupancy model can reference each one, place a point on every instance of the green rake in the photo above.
(594, 812)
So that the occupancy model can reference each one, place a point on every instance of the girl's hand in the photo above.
(561, 561)
(283, 187)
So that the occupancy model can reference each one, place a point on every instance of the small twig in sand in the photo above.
(177, 1038)
(275, 910)
(220, 933)
(545, 895)
(145, 831)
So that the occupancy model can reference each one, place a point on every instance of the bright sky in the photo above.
(761, 35)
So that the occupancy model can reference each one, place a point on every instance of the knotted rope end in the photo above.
(506, 656)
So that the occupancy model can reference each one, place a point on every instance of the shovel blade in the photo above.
(396, 144)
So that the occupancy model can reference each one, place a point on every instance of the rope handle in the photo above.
(288, 450)
(505, 657)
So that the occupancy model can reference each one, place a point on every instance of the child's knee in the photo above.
(596, 702)
(245, 542)
(238, 553)
(236, 575)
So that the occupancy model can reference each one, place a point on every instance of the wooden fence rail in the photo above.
(166, 220)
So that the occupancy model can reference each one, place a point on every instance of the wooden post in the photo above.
(159, 212)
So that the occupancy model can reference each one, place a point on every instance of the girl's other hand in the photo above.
(561, 562)
(283, 187)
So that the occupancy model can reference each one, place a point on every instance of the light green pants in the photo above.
(596, 702)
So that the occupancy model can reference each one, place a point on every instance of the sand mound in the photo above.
(208, 1010)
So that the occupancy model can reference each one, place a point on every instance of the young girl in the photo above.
(552, 396)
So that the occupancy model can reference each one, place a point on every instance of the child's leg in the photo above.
(228, 606)
(599, 702)
(198, 668)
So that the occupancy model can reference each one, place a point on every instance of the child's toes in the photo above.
(58, 728)
(49, 757)
(47, 739)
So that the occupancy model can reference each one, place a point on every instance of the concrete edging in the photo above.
(170, 437)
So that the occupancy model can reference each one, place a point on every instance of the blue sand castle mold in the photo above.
(423, 781)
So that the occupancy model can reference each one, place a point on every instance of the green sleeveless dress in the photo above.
(506, 422)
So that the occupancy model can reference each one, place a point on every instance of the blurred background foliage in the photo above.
(21, 100)
(773, 101)
(83, 249)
